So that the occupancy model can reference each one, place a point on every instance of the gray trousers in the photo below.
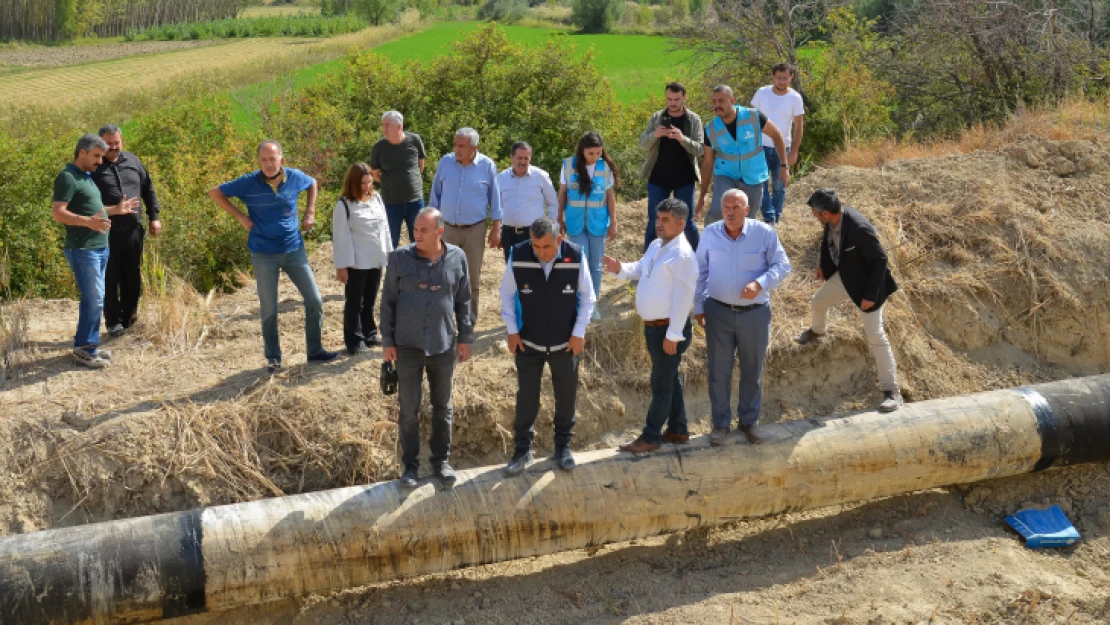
(724, 183)
(411, 366)
(730, 334)
(472, 240)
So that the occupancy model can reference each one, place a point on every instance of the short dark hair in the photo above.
(86, 144)
(676, 87)
(824, 200)
(675, 207)
(109, 129)
(519, 145)
(542, 227)
(782, 67)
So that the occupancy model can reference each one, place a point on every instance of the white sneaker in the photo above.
(92, 361)
(892, 400)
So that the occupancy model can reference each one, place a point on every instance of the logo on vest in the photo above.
(748, 134)
(527, 290)
(568, 290)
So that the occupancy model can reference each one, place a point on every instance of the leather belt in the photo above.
(736, 308)
(657, 323)
(467, 225)
(516, 229)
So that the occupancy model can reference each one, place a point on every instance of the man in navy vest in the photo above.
(733, 156)
(546, 301)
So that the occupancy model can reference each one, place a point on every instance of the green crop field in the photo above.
(636, 65)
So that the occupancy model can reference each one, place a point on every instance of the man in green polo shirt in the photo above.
(77, 205)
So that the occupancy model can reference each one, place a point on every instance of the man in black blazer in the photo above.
(853, 266)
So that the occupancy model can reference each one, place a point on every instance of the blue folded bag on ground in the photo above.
(1043, 528)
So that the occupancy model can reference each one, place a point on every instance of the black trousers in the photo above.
(412, 366)
(510, 236)
(123, 280)
(361, 292)
(564, 379)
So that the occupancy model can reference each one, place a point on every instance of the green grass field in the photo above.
(636, 65)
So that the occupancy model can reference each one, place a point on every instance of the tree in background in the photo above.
(597, 16)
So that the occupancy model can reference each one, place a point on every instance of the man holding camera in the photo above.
(673, 142)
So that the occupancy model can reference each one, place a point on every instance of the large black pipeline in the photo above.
(144, 569)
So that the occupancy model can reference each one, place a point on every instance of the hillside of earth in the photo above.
(1000, 253)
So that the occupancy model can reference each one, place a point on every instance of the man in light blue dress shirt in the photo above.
(739, 262)
(465, 190)
(526, 195)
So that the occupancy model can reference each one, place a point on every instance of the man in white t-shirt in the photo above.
(783, 106)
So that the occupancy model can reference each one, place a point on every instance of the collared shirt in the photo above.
(462, 193)
(526, 198)
(668, 275)
(127, 176)
(75, 188)
(272, 209)
(360, 234)
(586, 299)
(725, 265)
(425, 304)
(834, 241)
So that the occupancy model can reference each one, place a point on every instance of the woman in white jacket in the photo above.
(360, 249)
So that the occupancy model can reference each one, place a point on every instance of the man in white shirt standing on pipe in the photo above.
(668, 275)
(526, 195)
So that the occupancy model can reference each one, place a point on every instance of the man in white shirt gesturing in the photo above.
(783, 106)
(526, 195)
(668, 274)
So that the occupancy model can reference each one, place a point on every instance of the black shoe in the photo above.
(117, 330)
(410, 477)
(358, 349)
(373, 341)
(520, 460)
(445, 474)
(273, 365)
(563, 458)
(324, 356)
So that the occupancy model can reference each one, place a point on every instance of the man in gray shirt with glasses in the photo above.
(425, 323)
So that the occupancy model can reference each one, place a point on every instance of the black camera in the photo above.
(388, 379)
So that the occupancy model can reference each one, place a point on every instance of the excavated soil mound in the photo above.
(1001, 259)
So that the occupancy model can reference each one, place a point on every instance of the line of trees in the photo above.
(54, 20)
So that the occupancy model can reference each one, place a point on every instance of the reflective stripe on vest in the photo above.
(722, 140)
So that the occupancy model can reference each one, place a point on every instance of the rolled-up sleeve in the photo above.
(702, 284)
(495, 212)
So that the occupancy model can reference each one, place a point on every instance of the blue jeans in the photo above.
(773, 191)
(728, 333)
(657, 194)
(88, 268)
(668, 405)
(396, 213)
(295, 265)
(593, 248)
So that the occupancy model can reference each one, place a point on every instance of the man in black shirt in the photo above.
(123, 178)
(673, 142)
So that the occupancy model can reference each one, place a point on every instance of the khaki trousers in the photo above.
(472, 240)
(831, 293)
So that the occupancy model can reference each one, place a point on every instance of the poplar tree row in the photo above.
(53, 20)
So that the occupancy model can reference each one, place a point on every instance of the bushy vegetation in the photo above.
(597, 16)
(303, 25)
(548, 95)
(379, 12)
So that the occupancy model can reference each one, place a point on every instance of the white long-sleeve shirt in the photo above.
(363, 242)
(586, 299)
(526, 198)
(668, 274)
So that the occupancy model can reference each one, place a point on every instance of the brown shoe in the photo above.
(718, 436)
(807, 337)
(754, 433)
(638, 446)
(680, 439)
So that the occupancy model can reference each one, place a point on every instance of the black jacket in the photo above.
(863, 264)
(127, 176)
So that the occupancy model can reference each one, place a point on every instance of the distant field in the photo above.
(284, 9)
(636, 65)
(246, 60)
